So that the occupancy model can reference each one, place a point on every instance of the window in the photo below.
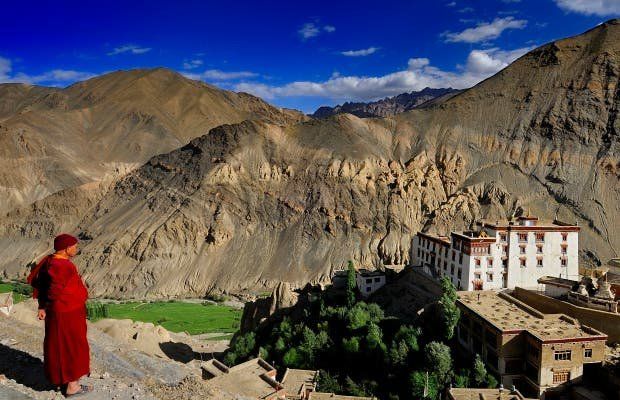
(477, 275)
(521, 249)
(564, 250)
(461, 258)
(539, 249)
(453, 255)
(505, 263)
(587, 353)
(477, 262)
(562, 355)
(522, 261)
(540, 237)
(490, 262)
(539, 262)
(452, 269)
(564, 236)
(561, 377)
(502, 237)
(369, 280)
(460, 273)
(368, 289)
(489, 277)
(563, 262)
(505, 249)
(522, 237)
(377, 280)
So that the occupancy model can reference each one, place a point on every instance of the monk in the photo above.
(62, 304)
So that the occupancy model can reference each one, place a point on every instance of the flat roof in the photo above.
(294, 380)
(247, 379)
(366, 272)
(554, 280)
(484, 394)
(512, 316)
(537, 223)
(331, 396)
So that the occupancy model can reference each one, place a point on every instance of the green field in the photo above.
(193, 318)
(20, 290)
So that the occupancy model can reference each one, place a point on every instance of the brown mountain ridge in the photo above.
(251, 204)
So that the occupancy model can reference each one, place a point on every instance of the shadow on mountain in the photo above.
(23, 368)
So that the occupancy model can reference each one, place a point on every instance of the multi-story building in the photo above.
(500, 255)
(369, 282)
(537, 353)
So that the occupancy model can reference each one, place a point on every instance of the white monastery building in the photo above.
(501, 254)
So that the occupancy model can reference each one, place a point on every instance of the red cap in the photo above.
(63, 241)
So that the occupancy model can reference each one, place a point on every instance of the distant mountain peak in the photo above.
(387, 106)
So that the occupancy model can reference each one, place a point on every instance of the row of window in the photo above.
(566, 355)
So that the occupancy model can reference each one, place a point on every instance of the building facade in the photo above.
(500, 255)
(369, 282)
(537, 353)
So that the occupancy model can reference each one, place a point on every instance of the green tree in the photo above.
(351, 285)
(374, 337)
(351, 345)
(450, 313)
(241, 347)
(328, 383)
(439, 360)
(375, 312)
(292, 358)
(409, 335)
(357, 317)
(479, 372)
(461, 380)
(424, 385)
(491, 381)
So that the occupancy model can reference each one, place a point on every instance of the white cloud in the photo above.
(311, 29)
(55, 77)
(5, 69)
(191, 64)
(360, 53)
(220, 76)
(591, 7)
(485, 30)
(466, 10)
(451, 4)
(129, 48)
(480, 64)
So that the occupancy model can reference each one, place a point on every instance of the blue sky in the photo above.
(292, 53)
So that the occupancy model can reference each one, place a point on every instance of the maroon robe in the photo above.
(63, 295)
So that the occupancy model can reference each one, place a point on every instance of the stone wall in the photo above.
(606, 322)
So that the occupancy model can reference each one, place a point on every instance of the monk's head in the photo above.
(66, 245)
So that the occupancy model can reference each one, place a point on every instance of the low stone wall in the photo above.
(606, 322)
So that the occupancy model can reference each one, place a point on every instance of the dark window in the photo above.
(368, 289)
(562, 355)
(561, 377)
(514, 366)
(369, 280)
(531, 372)
(377, 279)
(587, 353)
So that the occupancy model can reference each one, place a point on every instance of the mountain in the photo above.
(252, 204)
(53, 139)
(388, 106)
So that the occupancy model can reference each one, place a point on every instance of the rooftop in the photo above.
(526, 222)
(484, 394)
(367, 272)
(554, 280)
(331, 396)
(295, 380)
(254, 378)
(509, 314)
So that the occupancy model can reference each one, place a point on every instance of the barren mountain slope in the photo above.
(54, 139)
(253, 204)
(543, 134)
